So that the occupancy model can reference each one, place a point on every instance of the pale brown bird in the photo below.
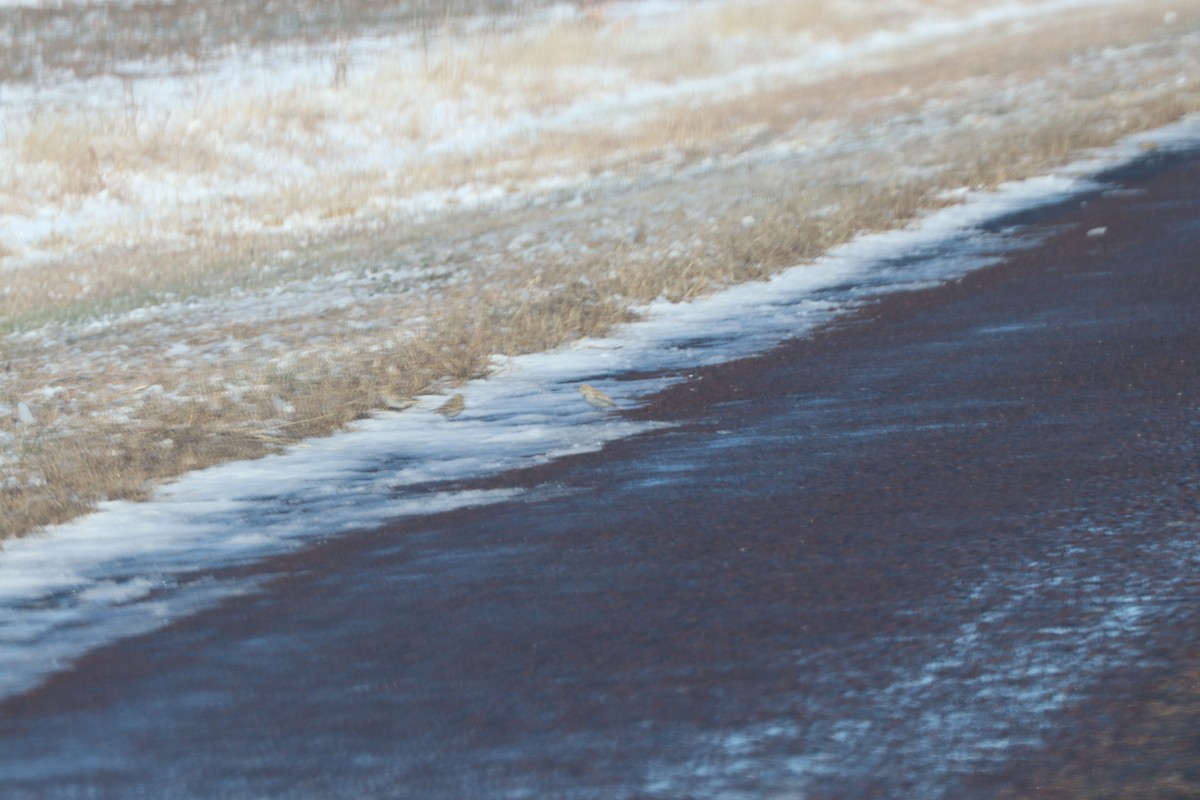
(595, 397)
(396, 402)
(452, 407)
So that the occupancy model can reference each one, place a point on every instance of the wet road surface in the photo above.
(906, 557)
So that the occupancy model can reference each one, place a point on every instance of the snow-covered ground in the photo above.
(252, 142)
(165, 232)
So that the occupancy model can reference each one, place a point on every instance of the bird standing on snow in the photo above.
(452, 407)
(396, 402)
(595, 397)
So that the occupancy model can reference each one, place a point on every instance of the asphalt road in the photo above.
(931, 551)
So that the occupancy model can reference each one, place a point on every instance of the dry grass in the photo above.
(66, 142)
(69, 156)
(854, 162)
(61, 478)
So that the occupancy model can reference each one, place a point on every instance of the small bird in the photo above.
(396, 402)
(595, 397)
(452, 407)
